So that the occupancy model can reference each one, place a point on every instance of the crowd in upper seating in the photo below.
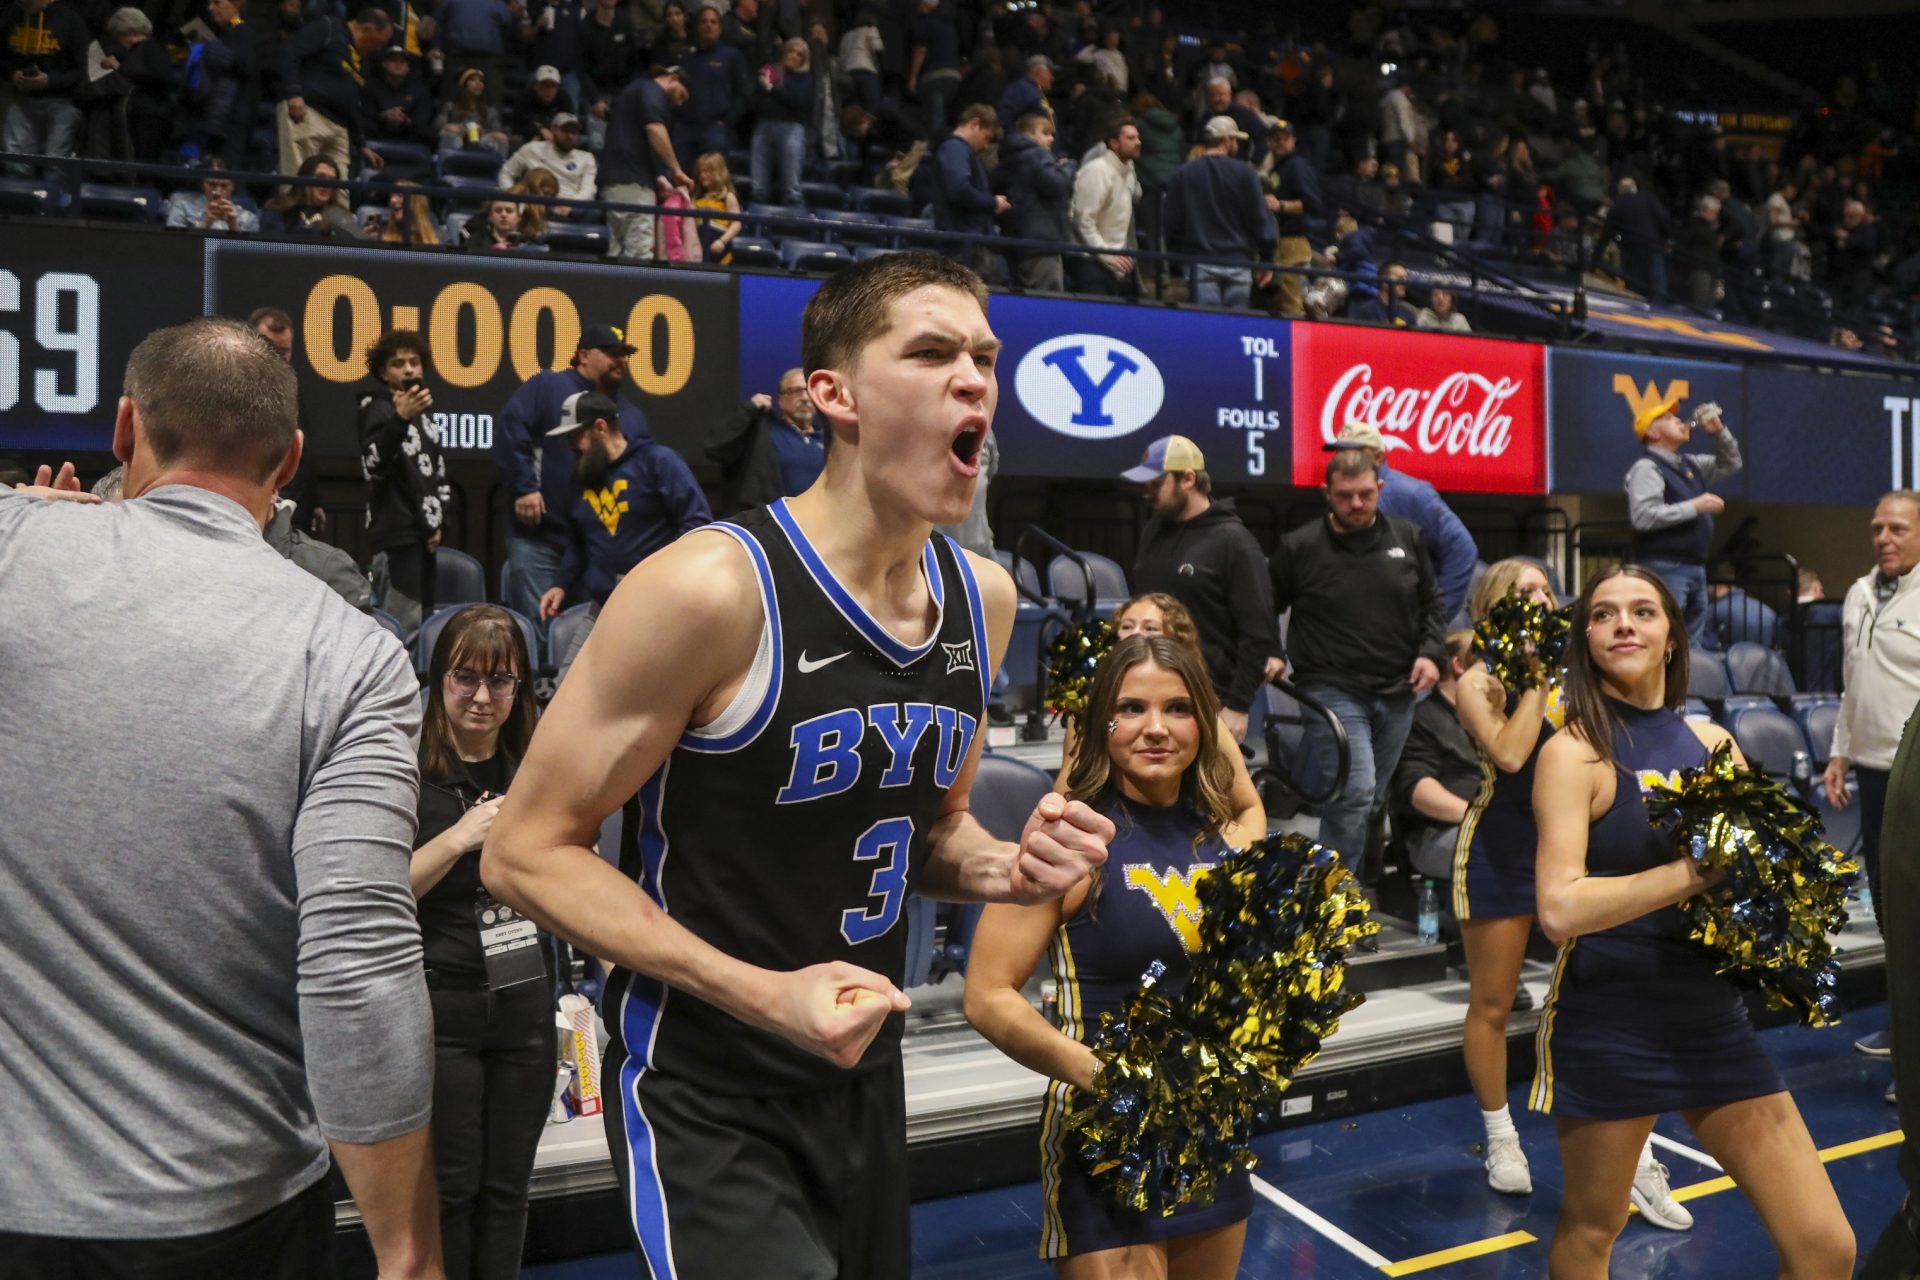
(1420, 127)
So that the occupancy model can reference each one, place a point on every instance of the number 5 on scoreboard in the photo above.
(1256, 453)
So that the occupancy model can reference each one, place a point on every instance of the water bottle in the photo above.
(1429, 921)
(1866, 897)
(1802, 772)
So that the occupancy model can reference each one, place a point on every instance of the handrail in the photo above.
(1035, 729)
(1343, 751)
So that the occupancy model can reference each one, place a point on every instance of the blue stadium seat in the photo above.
(742, 188)
(404, 159)
(475, 162)
(1754, 668)
(1769, 738)
(120, 203)
(823, 195)
(1818, 714)
(1066, 583)
(391, 623)
(36, 196)
(565, 627)
(579, 237)
(430, 634)
(755, 251)
(881, 200)
(1024, 572)
(469, 190)
(1005, 790)
(867, 252)
(1741, 701)
(740, 160)
(1696, 710)
(814, 255)
(1707, 675)
(458, 578)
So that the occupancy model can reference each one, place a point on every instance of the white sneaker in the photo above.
(1655, 1203)
(1507, 1170)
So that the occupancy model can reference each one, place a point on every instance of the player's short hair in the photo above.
(1352, 462)
(214, 393)
(853, 308)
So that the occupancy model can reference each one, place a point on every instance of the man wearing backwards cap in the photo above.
(1671, 510)
(1196, 550)
(1412, 499)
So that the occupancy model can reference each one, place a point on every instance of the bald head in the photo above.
(211, 395)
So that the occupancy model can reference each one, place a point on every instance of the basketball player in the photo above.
(792, 701)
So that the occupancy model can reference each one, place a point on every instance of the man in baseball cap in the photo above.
(1215, 208)
(1671, 510)
(1028, 94)
(1449, 546)
(1197, 551)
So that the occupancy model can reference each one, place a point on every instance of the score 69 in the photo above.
(657, 324)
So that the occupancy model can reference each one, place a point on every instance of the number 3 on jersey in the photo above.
(885, 842)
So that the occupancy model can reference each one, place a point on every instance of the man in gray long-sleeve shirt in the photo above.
(209, 963)
(1671, 510)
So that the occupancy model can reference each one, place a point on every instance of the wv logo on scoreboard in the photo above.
(1089, 386)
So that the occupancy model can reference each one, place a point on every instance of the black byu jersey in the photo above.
(789, 831)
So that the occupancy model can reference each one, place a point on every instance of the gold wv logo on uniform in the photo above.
(609, 505)
(1172, 892)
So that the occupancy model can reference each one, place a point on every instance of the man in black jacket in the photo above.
(1368, 635)
(322, 71)
(1039, 187)
(396, 105)
(767, 449)
(1196, 550)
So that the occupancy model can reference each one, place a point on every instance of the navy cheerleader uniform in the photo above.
(1143, 910)
(1493, 854)
(1637, 1022)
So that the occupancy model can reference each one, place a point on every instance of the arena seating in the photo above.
(458, 578)
(1754, 668)
(1772, 741)
(391, 623)
(1067, 584)
(1707, 675)
(565, 627)
(431, 628)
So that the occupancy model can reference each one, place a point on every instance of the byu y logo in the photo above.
(1089, 386)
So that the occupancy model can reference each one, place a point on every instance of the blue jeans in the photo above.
(1376, 731)
(1688, 582)
(40, 126)
(1220, 286)
(531, 564)
(778, 149)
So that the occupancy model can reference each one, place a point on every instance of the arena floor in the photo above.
(1334, 1208)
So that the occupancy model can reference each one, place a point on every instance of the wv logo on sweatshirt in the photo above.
(608, 505)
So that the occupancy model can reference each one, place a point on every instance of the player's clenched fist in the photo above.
(834, 1010)
(1063, 842)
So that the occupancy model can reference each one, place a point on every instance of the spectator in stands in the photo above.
(532, 113)
(482, 34)
(768, 448)
(153, 87)
(1440, 313)
(1671, 510)
(560, 154)
(640, 156)
(1399, 126)
(1196, 550)
(1439, 771)
(673, 42)
(719, 91)
(1368, 636)
(1386, 304)
(630, 496)
(1696, 252)
(1293, 196)
(611, 48)
(1854, 260)
(1641, 224)
(1038, 186)
(43, 51)
(934, 72)
(1449, 174)
(745, 29)
(222, 89)
(860, 50)
(407, 219)
(496, 228)
(1365, 190)
(275, 328)
(1736, 616)
(780, 126)
(1784, 221)
(963, 199)
(323, 560)
(1220, 102)
(319, 112)
(1450, 548)
(211, 208)
(536, 468)
(532, 223)
(406, 474)
(277, 958)
(1105, 193)
(715, 193)
(1106, 56)
(1215, 209)
(310, 211)
(1814, 634)
(1028, 95)
(491, 991)
(396, 105)
(467, 120)
(1882, 678)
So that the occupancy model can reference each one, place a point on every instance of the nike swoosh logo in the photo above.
(806, 666)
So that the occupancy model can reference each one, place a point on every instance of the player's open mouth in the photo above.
(966, 447)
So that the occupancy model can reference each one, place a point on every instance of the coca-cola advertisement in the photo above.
(1467, 414)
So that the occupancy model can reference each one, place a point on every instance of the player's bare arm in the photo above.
(671, 648)
(1063, 841)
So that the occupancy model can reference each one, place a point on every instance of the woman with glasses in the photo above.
(486, 969)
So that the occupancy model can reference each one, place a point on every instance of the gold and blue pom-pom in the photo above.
(1188, 1078)
(1072, 655)
(1522, 642)
(1784, 888)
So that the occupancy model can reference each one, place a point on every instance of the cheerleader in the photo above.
(1150, 759)
(1637, 1022)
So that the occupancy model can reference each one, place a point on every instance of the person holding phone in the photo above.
(407, 491)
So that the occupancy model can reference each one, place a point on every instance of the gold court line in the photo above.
(1459, 1253)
